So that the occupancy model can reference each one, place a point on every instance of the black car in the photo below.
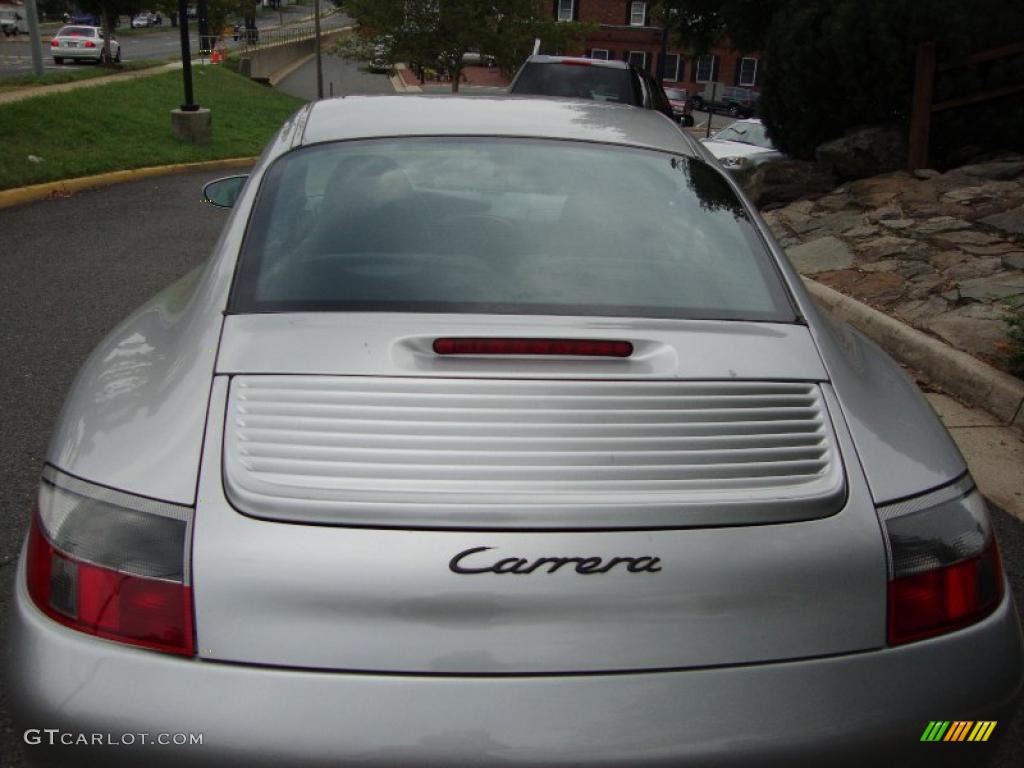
(593, 79)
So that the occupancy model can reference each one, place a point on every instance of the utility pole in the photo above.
(186, 57)
(319, 60)
(33, 31)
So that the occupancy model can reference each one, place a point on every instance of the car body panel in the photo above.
(73, 46)
(358, 117)
(367, 598)
(838, 710)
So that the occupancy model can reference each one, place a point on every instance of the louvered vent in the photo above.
(430, 452)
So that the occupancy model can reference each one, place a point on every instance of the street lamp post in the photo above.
(33, 31)
(319, 61)
(186, 57)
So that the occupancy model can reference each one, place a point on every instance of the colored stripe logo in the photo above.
(958, 730)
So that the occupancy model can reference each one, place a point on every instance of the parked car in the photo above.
(81, 43)
(732, 100)
(682, 105)
(146, 19)
(381, 60)
(13, 22)
(742, 146)
(593, 79)
(500, 432)
(476, 58)
(84, 19)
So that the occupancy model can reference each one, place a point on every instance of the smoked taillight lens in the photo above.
(945, 572)
(111, 564)
(473, 345)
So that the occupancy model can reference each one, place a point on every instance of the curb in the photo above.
(65, 187)
(399, 84)
(976, 383)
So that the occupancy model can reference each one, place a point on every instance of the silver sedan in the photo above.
(81, 43)
(499, 431)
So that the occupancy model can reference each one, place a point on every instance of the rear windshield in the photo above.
(576, 81)
(508, 226)
(746, 133)
(77, 32)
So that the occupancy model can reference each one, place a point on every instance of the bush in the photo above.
(833, 65)
(1015, 331)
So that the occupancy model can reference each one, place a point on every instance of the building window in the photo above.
(671, 65)
(565, 8)
(748, 71)
(599, 53)
(637, 14)
(705, 68)
(638, 59)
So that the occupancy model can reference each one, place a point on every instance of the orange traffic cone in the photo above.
(215, 57)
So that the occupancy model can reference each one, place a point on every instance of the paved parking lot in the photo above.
(69, 271)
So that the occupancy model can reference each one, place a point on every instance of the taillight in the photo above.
(505, 346)
(577, 63)
(111, 564)
(944, 567)
(90, 44)
(55, 43)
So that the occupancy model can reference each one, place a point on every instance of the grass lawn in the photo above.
(128, 125)
(79, 72)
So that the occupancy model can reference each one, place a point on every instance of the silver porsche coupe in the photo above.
(499, 431)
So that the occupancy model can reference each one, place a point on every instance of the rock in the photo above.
(921, 309)
(837, 222)
(972, 269)
(786, 180)
(995, 249)
(1013, 260)
(887, 245)
(946, 259)
(1011, 221)
(912, 269)
(993, 288)
(926, 173)
(923, 286)
(941, 224)
(862, 231)
(897, 224)
(880, 266)
(952, 296)
(979, 329)
(966, 196)
(885, 212)
(999, 170)
(823, 254)
(971, 236)
(864, 152)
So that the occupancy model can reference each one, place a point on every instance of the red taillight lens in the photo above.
(55, 43)
(90, 44)
(577, 63)
(564, 347)
(102, 565)
(945, 571)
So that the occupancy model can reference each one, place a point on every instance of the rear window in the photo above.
(77, 32)
(508, 226)
(576, 81)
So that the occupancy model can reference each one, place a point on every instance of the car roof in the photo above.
(541, 58)
(361, 117)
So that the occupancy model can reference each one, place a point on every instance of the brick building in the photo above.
(631, 31)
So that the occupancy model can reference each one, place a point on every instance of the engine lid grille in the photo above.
(528, 454)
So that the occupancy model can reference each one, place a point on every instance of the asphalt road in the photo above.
(340, 77)
(159, 43)
(70, 269)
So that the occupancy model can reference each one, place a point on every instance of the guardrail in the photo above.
(251, 40)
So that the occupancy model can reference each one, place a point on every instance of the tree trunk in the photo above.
(456, 75)
(106, 57)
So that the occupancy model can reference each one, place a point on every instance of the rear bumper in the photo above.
(840, 709)
(76, 53)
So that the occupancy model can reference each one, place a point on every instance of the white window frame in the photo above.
(753, 79)
(563, 14)
(710, 59)
(637, 10)
(672, 73)
(595, 51)
(643, 64)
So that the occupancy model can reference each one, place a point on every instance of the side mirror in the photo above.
(224, 192)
